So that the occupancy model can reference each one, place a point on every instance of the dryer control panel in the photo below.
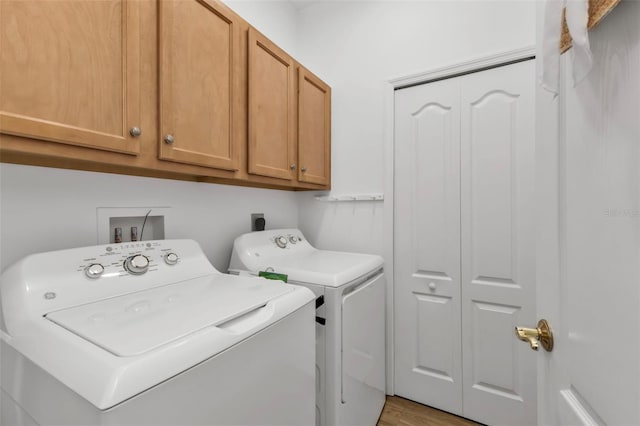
(286, 240)
(262, 250)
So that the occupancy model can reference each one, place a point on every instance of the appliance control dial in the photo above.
(281, 241)
(94, 270)
(293, 239)
(171, 258)
(136, 264)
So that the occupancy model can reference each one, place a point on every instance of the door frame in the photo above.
(389, 87)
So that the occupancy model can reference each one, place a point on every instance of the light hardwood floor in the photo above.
(402, 412)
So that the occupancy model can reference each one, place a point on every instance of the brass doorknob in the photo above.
(541, 334)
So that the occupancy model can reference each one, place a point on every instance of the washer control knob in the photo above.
(293, 239)
(94, 270)
(136, 264)
(281, 241)
(171, 258)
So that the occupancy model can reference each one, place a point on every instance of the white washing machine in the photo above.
(350, 340)
(151, 333)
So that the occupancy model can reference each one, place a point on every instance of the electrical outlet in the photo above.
(255, 216)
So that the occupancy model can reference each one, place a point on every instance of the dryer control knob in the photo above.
(281, 241)
(171, 258)
(293, 239)
(94, 270)
(136, 264)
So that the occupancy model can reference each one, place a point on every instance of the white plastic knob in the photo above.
(171, 259)
(94, 270)
(281, 241)
(136, 264)
(432, 285)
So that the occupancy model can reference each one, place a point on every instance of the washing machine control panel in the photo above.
(64, 278)
(128, 259)
(135, 262)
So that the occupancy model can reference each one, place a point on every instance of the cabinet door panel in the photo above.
(314, 129)
(70, 71)
(271, 110)
(198, 57)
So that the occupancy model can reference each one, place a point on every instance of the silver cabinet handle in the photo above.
(169, 139)
(303, 169)
(293, 166)
(135, 132)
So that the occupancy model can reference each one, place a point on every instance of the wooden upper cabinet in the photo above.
(271, 109)
(70, 72)
(314, 129)
(199, 83)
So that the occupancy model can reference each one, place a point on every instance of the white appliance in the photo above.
(350, 341)
(151, 333)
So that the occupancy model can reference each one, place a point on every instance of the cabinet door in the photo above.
(199, 43)
(314, 129)
(70, 72)
(271, 110)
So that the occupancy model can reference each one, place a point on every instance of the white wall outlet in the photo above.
(125, 218)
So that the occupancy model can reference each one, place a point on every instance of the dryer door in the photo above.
(363, 352)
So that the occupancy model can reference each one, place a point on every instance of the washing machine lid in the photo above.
(324, 267)
(140, 322)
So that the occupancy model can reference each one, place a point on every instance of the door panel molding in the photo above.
(575, 410)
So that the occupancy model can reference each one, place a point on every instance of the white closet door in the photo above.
(498, 245)
(427, 245)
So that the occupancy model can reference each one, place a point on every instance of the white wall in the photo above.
(275, 19)
(356, 47)
(44, 209)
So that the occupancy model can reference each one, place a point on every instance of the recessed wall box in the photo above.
(127, 218)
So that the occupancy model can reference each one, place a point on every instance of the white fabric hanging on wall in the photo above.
(577, 16)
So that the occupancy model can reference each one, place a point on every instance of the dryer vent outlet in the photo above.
(257, 222)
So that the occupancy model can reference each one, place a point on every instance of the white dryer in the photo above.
(151, 333)
(350, 327)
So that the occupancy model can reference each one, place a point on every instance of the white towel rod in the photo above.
(350, 197)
